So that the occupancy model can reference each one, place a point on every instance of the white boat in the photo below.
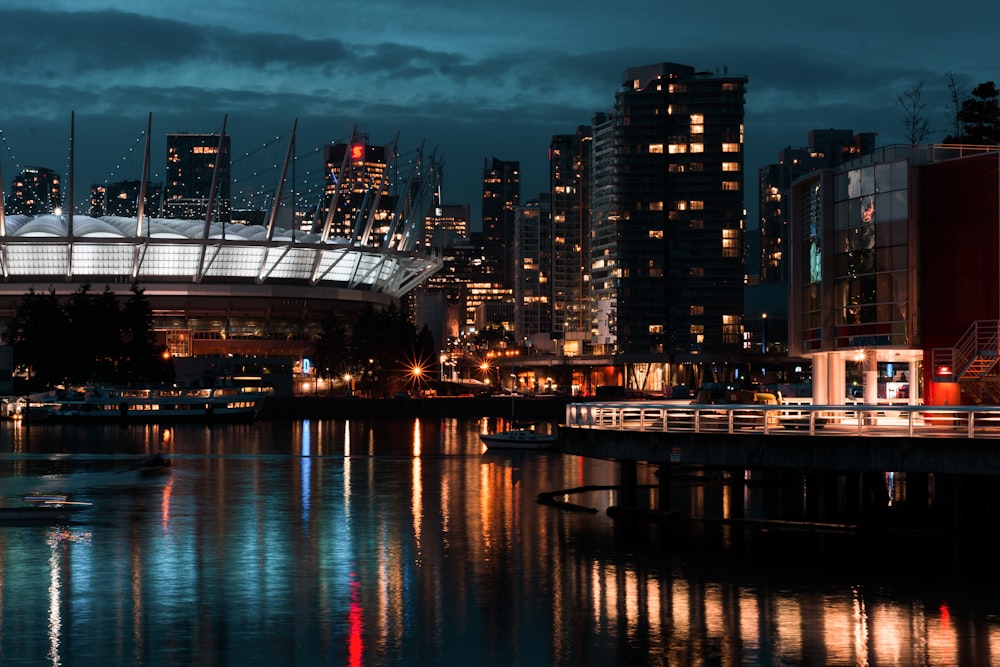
(519, 438)
(146, 404)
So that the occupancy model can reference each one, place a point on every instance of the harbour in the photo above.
(401, 541)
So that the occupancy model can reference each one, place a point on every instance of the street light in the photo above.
(763, 333)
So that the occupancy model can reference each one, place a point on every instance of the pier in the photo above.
(835, 458)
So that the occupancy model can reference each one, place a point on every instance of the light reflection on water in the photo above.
(400, 542)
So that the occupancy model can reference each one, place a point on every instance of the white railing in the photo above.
(821, 420)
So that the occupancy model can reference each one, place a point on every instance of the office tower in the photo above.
(190, 174)
(444, 223)
(501, 195)
(357, 177)
(569, 185)
(35, 191)
(122, 199)
(678, 188)
(532, 282)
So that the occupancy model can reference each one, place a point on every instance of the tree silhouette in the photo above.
(915, 124)
(37, 333)
(979, 117)
(380, 346)
(85, 337)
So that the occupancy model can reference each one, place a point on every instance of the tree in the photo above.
(915, 124)
(39, 338)
(979, 117)
(956, 93)
(331, 351)
(492, 336)
(85, 337)
(143, 358)
(380, 346)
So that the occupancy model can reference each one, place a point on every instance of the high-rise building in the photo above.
(122, 199)
(603, 235)
(827, 148)
(532, 281)
(569, 185)
(501, 195)
(444, 223)
(35, 191)
(678, 187)
(357, 176)
(190, 174)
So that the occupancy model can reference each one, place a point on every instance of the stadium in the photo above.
(227, 289)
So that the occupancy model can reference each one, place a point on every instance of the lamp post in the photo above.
(763, 333)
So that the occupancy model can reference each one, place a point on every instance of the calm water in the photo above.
(401, 543)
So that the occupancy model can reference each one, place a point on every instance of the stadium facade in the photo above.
(217, 288)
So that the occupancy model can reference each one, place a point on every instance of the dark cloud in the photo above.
(470, 99)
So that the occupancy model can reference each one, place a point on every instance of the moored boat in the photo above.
(522, 438)
(146, 404)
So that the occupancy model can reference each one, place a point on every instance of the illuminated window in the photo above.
(682, 206)
(656, 148)
(730, 186)
(655, 206)
(730, 166)
(697, 310)
(697, 272)
(697, 129)
(677, 168)
(697, 148)
(697, 118)
(697, 328)
(656, 234)
(729, 87)
(655, 328)
(730, 147)
(731, 329)
(677, 148)
(697, 205)
(730, 245)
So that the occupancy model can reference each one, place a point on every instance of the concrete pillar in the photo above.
(871, 378)
(914, 379)
(663, 483)
(820, 391)
(837, 373)
(629, 484)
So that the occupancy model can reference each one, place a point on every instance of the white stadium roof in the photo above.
(44, 247)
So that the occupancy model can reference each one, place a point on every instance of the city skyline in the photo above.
(433, 74)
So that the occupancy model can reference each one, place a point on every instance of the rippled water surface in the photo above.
(400, 542)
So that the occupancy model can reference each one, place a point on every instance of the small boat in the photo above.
(42, 509)
(520, 438)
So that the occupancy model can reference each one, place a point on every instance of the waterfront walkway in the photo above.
(671, 417)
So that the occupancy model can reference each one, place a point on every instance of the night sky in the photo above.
(471, 80)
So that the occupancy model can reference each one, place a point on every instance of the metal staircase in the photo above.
(974, 362)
